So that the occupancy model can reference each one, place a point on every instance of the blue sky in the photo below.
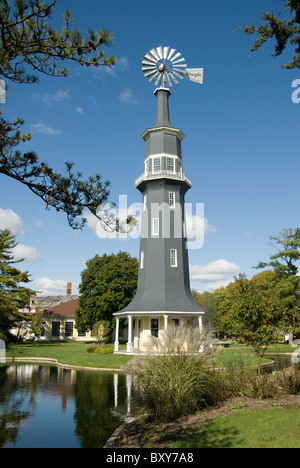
(241, 149)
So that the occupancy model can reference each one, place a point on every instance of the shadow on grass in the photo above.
(210, 436)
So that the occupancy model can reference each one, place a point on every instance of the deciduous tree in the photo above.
(108, 284)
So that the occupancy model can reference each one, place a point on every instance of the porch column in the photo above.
(200, 324)
(117, 335)
(129, 342)
(209, 324)
(166, 322)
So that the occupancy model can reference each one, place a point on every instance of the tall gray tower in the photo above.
(163, 294)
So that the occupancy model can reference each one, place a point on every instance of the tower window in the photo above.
(156, 165)
(173, 258)
(172, 199)
(155, 226)
(170, 164)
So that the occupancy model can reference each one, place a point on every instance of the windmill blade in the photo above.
(177, 63)
(151, 74)
(171, 75)
(160, 52)
(168, 80)
(155, 54)
(181, 74)
(147, 61)
(157, 79)
(150, 57)
(172, 52)
(165, 52)
(175, 57)
(145, 68)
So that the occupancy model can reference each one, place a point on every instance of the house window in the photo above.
(175, 323)
(154, 327)
(170, 164)
(142, 260)
(172, 199)
(156, 165)
(81, 333)
(69, 328)
(155, 226)
(173, 258)
(55, 330)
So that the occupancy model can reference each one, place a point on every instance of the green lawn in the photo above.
(72, 353)
(274, 428)
(75, 353)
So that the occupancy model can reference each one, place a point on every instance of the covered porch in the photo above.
(142, 325)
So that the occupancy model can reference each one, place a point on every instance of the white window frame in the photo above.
(156, 170)
(155, 226)
(173, 258)
(172, 199)
(142, 261)
(172, 161)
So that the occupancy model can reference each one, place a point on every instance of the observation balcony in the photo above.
(163, 175)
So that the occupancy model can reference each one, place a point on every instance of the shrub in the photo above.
(172, 381)
(104, 350)
(91, 348)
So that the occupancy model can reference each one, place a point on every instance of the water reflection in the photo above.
(44, 406)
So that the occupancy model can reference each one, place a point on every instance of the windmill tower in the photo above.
(163, 295)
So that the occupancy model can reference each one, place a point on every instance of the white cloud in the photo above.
(10, 220)
(195, 223)
(50, 98)
(127, 96)
(215, 274)
(29, 254)
(79, 110)
(44, 129)
(48, 287)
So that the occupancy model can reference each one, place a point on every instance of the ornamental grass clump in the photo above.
(173, 377)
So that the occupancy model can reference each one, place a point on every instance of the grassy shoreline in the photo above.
(75, 353)
(69, 353)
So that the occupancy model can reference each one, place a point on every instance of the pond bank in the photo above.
(50, 361)
(141, 434)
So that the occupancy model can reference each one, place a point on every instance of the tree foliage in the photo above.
(13, 294)
(285, 31)
(108, 284)
(269, 299)
(29, 46)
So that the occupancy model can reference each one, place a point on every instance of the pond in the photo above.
(50, 407)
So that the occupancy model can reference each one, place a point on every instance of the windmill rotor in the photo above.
(165, 67)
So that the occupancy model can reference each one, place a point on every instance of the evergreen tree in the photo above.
(29, 45)
(13, 296)
(285, 31)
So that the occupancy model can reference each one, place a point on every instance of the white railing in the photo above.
(161, 175)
